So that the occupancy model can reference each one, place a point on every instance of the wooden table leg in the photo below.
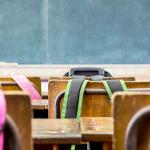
(107, 146)
(55, 147)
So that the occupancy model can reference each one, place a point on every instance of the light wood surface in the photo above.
(9, 84)
(93, 105)
(55, 131)
(125, 107)
(96, 129)
(40, 104)
(19, 108)
(88, 78)
(67, 131)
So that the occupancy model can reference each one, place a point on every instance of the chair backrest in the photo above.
(129, 110)
(95, 105)
(19, 109)
(8, 83)
(89, 78)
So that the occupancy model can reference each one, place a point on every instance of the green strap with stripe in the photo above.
(107, 88)
(124, 87)
(63, 112)
(81, 94)
(79, 102)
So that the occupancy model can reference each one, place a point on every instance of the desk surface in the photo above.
(40, 104)
(55, 131)
(98, 129)
(66, 131)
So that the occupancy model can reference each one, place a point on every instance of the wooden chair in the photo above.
(94, 105)
(40, 107)
(131, 112)
(88, 78)
(19, 109)
(7, 83)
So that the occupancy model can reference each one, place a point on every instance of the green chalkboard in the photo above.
(75, 31)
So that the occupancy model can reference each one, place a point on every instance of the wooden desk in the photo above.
(66, 131)
(96, 129)
(55, 131)
(40, 104)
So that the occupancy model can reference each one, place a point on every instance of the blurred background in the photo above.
(75, 31)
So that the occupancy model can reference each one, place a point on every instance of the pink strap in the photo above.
(2, 117)
(27, 86)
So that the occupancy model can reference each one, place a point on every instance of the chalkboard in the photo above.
(75, 31)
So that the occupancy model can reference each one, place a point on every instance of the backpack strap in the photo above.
(27, 86)
(71, 99)
(112, 86)
(67, 90)
(72, 104)
(79, 109)
(2, 118)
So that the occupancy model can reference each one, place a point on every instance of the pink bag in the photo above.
(2, 118)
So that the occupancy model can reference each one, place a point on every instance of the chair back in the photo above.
(131, 120)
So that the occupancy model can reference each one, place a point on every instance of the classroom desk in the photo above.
(96, 129)
(67, 131)
(40, 104)
(55, 131)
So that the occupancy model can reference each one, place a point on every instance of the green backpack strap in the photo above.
(79, 107)
(80, 104)
(81, 94)
(112, 86)
(63, 112)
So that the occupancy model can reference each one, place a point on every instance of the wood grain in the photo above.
(125, 106)
(93, 105)
(96, 129)
(7, 84)
(35, 80)
(19, 108)
(56, 131)
(40, 104)
(88, 78)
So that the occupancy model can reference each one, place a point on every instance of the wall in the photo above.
(75, 31)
